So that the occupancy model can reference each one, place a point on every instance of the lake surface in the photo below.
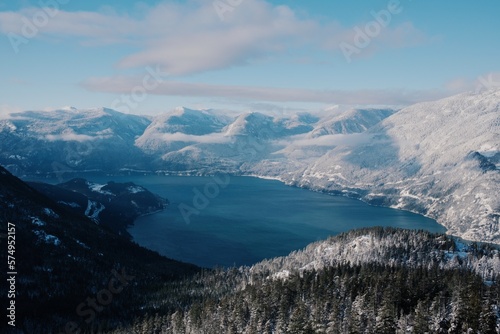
(241, 220)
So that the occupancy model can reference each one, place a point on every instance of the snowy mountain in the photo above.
(70, 140)
(352, 121)
(360, 279)
(178, 128)
(365, 281)
(440, 158)
(437, 158)
(215, 141)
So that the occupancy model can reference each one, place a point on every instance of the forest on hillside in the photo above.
(401, 281)
(366, 298)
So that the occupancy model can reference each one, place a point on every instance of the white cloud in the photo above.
(331, 140)
(486, 81)
(397, 36)
(123, 85)
(190, 37)
(214, 138)
(6, 110)
(70, 135)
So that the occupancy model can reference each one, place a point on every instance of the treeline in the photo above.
(391, 246)
(367, 298)
(374, 280)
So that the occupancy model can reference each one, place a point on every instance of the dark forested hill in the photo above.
(113, 205)
(65, 263)
(375, 280)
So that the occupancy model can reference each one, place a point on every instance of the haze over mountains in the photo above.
(438, 158)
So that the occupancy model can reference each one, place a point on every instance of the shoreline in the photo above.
(273, 178)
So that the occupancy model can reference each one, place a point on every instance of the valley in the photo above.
(110, 177)
(250, 167)
(382, 156)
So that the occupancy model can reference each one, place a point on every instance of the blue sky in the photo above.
(149, 57)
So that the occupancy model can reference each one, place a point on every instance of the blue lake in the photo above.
(241, 220)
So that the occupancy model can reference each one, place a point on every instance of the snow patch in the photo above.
(284, 274)
(47, 238)
(93, 210)
(135, 189)
(82, 244)
(37, 221)
(95, 187)
(50, 213)
(71, 204)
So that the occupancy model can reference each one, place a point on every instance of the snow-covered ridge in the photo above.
(388, 246)
(440, 159)
(426, 159)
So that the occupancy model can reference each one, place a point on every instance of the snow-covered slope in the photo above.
(73, 124)
(437, 158)
(386, 246)
(66, 140)
(180, 127)
(207, 141)
(264, 127)
(352, 121)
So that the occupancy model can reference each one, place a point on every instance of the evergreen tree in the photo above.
(421, 319)
(488, 319)
(357, 316)
(299, 321)
(386, 318)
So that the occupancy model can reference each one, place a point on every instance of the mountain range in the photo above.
(440, 158)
